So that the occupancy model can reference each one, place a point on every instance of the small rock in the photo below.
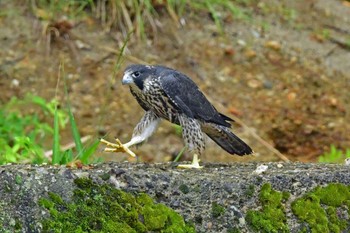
(254, 83)
(268, 84)
(176, 204)
(347, 161)
(297, 121)
(12, 222)
(149, 185)
(82, 174)
(331, 125)
(182, 21)
(274, 58)
(256, 34)
(291, 96)
(209, 225)
(293, 59)
(272, 44)
(261, 169)
(250, 53)
(229, 51)
(14, 83)
(242, 43)
(82, 45)
(242, 221)
(333, 101)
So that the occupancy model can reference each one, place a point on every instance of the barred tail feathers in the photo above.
(226, 139)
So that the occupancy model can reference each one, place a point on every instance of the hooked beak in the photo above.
(127, 79)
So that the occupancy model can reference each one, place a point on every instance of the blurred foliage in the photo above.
(24, 128)
(22, 134)
(54, 9)
(82, 154)
(334, 155)
(138, 15)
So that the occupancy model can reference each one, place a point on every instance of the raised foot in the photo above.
(117, 147)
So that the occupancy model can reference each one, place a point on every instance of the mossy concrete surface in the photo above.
(102, 208)
(287, 197)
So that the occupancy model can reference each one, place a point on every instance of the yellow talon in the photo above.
(195, 163)
(117, 147)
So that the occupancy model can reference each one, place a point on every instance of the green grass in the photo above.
(23, 129)
(219, 9)
(139, 16)
(179, 155)
(81, 153)
(56, 140)
(54, 9)
(67, 156)
(334, 155)
(120, 57)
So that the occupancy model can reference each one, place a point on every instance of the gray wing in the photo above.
(189, 99)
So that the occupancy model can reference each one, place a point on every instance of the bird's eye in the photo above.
(136, 74)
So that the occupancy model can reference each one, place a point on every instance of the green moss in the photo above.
(335, 224)
(184, 189)
(18, 179)
(198, 219)
(250, 190)
(304, 230)
(18, 225)
(333, 194)
(285, 196)
(233, 230)
(8, 188)
(217, 210)
(102, 208)
(272, 217)
(48, 204)
(56, 198)
(309, 208)
(105, 176)
(84, 183)
(196, 188)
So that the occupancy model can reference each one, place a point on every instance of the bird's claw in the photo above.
(117, 147)
(189, 166)
(195, 163)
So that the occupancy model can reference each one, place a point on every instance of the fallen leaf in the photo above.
(234, 111)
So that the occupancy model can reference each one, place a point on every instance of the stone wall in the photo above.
(281, 197)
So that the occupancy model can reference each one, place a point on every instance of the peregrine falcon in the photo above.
(165, 93)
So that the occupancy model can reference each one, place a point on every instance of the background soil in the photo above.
(284, 71)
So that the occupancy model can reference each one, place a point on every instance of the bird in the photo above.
(167, 94)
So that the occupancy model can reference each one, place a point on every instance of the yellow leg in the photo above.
(195, 163)
(117, 147)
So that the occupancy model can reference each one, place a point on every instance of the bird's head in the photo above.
(137, 75)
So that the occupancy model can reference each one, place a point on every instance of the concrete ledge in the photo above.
(218, 198)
